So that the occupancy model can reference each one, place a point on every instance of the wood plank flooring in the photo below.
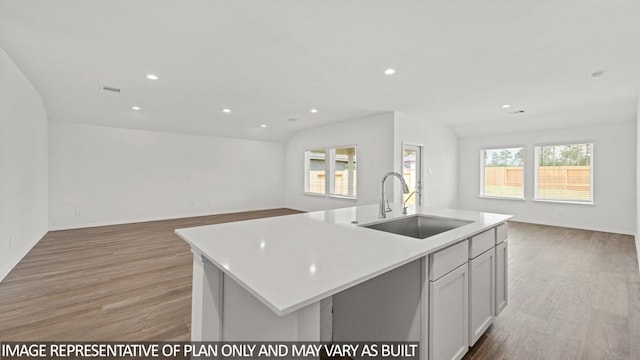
(574, 294)
(125, 282)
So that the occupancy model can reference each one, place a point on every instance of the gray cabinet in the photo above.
(501, 277)
(448, 312)
(482, 264)
(481, 294)
(449, 302)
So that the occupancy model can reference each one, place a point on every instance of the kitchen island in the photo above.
(322, 276)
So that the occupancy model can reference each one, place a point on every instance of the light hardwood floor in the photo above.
(573, 294)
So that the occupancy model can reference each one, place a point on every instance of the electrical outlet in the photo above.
(79, 211)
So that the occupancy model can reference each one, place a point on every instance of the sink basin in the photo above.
(418, 226)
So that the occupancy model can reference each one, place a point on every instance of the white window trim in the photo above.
(536, 161)
(329, 164)
(524, 174)
(422, 166)
(306, 184)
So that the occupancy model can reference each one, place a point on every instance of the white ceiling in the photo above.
(457, 62)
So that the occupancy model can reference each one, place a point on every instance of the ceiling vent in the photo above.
(516, 112)
(111, 89)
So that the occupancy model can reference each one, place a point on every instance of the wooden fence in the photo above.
(317, 181)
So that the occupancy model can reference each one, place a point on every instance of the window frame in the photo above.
(329, 169)
(307, 184)
(536, 161)
(482, 173)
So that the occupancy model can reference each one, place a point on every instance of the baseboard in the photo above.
(12, 264)
(574, 226)
(638, 249)
(148, 219)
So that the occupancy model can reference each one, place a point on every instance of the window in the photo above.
(315, 171)
(502, 173)
(563, 173)
(344, 171)
(340, 162)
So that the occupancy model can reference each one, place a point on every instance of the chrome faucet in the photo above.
(405, 190)
(404, 204)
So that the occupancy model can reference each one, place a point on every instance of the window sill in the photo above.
(500, 198)
(565, 202)
(332, 196)
(315, 194)
(343, 197)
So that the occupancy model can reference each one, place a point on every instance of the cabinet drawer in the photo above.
(447, 259)
(481, 243)
(501, 233)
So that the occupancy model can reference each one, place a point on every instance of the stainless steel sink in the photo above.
(418, 226)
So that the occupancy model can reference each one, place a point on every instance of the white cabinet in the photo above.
(448, 315)
(449, 302)
(501, 277)
(481, 294)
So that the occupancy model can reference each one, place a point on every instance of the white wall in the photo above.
(614, 187)
(440, 158)
(102, 175)
(638, 183)
(379, 141)
(23, 165)
(373, 137)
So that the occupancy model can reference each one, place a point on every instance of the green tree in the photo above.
(518, 158)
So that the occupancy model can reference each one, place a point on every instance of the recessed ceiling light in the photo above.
(506, 106)
(225, 110)
(598, 74)
(313, 111)
(135, 108)
(263, 126)
(152, 77)
(390, 71)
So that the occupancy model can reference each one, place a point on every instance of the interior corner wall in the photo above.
(440, 158)
(614, 178)
(102, 175)
(373, 137)
(638, 182)
(23, 165)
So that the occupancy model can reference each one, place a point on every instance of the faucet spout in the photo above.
(404, 204)
(405, 190)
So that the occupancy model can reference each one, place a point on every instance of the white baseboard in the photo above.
(147, 219)
(638, 250)
(7, 269)
(574, 226)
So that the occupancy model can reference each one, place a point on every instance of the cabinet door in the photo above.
(481, 294)
(502, 279)
(449, 315)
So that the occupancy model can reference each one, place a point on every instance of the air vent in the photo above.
(516, 112)
(111, 89)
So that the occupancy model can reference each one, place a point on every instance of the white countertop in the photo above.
(289, 262)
